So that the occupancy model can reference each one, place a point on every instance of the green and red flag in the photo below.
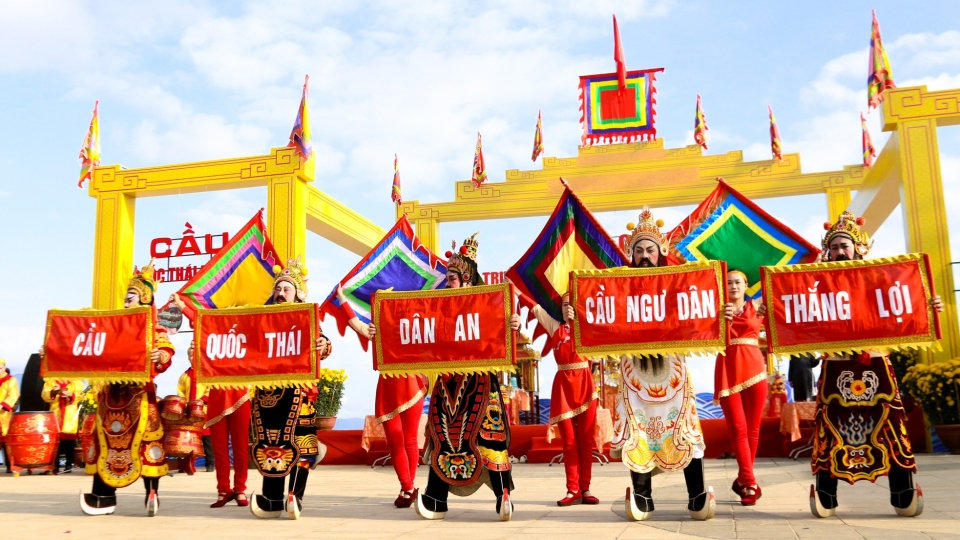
(774, 136)
(241, 273)
(479, 167)
(728, 226)
(879, 76)
(300, 138)
(700, 126)
(90, 150)
(572, 239)
(395, 195)
(869, 152)
(538, 139)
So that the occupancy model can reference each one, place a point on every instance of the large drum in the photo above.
(182, 437)
(32, 442)
(172, 408)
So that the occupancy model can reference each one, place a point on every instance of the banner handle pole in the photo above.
(723, 302)
(933, 294)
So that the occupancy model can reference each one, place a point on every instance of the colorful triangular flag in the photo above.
(241, 273)
(300, 134)
(395, 194)
(90, 150)
(729, 227)
(618, 57)
(869, 152)
(572, 239)
(537, 139)
(879, 76)
(399, 262)
(479, 167)
(774, 136)
(700, 126)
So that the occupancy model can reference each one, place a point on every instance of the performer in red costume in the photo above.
(228, 419)
(740, 383)
(860, 435)
(573, 406)
(398, 406)
(129, 436)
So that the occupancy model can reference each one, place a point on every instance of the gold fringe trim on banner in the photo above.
(433, 373)
(858, 347)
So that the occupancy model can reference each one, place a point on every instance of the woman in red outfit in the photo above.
(740, 383)
(398, 406)
(573, 406)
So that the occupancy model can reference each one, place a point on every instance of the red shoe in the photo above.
(404, 500)
(223, 499)
(590, 499)
(738, 488)
(241, 499)
(750, 495)
(570, 500)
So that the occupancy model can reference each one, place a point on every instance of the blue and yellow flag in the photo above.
(729, 227)
(300, 134)
(90, 151)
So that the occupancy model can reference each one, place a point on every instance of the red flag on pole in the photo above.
(537, 139)
(479, 167)
(700, 126)
(618, 56)
(395, 196)
(869, 152)
(879, 76)
(774, 136)
(90, 151)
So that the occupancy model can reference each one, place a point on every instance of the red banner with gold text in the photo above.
(880, 304)
(260, 347)
(99, 346)
(665, 310)
(444, 331)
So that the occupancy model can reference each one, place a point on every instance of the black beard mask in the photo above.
(645, 263)
(842, 257)
(278, 299)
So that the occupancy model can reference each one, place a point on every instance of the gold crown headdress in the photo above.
(296, 274)
(847, 225)
(647, 229)
(457, 258)
(143, 282)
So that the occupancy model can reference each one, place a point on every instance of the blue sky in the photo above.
(194, 80)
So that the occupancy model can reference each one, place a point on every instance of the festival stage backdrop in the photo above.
(610, 114)
(99, 346)
(572, 239)
(463, 330)
(670, 309)
(240, 274)
(398, 262)
(729, 227)
(258, 346)
(833, 307)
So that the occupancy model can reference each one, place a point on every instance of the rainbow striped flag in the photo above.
(90, 151)
(700, 126)
(300, 134)
(398, 262)
(395, 195)
(879, 76)
(774, 136)
(241, 273)
(869, 151)
(729, 227)
(572, 239)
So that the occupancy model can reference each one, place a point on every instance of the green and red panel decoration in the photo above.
(614, 115)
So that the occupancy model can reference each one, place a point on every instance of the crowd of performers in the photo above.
(468, 432)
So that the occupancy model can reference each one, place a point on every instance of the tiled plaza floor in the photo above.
(356, 502)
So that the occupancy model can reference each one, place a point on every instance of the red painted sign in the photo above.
(188, 245)
(99, 345)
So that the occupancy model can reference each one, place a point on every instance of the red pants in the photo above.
(742, 412)
(235, 426)
(401, 431)
(577, 434)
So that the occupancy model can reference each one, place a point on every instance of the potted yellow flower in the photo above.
(937, 387)
(330, 398)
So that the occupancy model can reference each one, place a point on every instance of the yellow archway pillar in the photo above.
(925, 220)
(287, 215)
(113, 249)
(838, 199)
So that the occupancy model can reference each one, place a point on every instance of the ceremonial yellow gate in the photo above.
(628, 176)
